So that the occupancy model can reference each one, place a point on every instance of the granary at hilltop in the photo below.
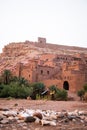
(63, 66)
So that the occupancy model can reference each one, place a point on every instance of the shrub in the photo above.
(53, 88)
(1, 87)
(15, 91)
(22, 92)
(61, 95)
(37, 89)
(85, 96)
(4, 91)
(81, 93)
(85, 87)
(58, 94)
(23, 82)
(18, 91)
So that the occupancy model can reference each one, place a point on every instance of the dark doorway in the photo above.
(66, 85)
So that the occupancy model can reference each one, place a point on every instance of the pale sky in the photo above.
(61, 22)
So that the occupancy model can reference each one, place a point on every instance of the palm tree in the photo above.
(6, 76)
(23, 82)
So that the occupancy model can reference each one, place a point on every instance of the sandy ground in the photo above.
(44, 105)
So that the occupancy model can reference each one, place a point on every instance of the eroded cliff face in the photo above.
(62, 66)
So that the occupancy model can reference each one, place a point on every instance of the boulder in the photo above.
(29, 119)
(39, 115)
(5, 121)
(46, 122)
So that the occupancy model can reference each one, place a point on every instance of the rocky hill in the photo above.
(23, 52)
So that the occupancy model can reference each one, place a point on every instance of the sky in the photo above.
(61, 22)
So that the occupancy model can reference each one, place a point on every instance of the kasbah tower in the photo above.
(63, 66)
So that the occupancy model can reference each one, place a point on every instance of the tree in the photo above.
(1, 80)
(6, 75)
(23, 82)
(38, 88)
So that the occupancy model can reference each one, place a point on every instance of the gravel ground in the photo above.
(44, 105)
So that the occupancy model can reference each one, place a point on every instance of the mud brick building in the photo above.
(63, 66)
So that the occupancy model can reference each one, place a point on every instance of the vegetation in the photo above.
(85, 87)
(85, 96)
(14, 90)
(6, 76)
(38, 88)
(53, 88)
(15, 87)
(83, 93)
(61, 95)
(58, 94)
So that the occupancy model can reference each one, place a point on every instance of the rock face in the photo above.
(63, 66)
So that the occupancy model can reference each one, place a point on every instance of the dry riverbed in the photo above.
(56, 106)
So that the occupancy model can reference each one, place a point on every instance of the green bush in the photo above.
(85, 96)
(4, 92)
(18, 91)
(53, 88)
(15, 91)
(85, 87)
(1, 87)
(37, 89)
(61, 95)
(18, 87)
(58, 94)
(81, 93)
(23, 82)
(22, 92)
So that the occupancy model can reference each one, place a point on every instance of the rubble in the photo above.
(42, 117)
